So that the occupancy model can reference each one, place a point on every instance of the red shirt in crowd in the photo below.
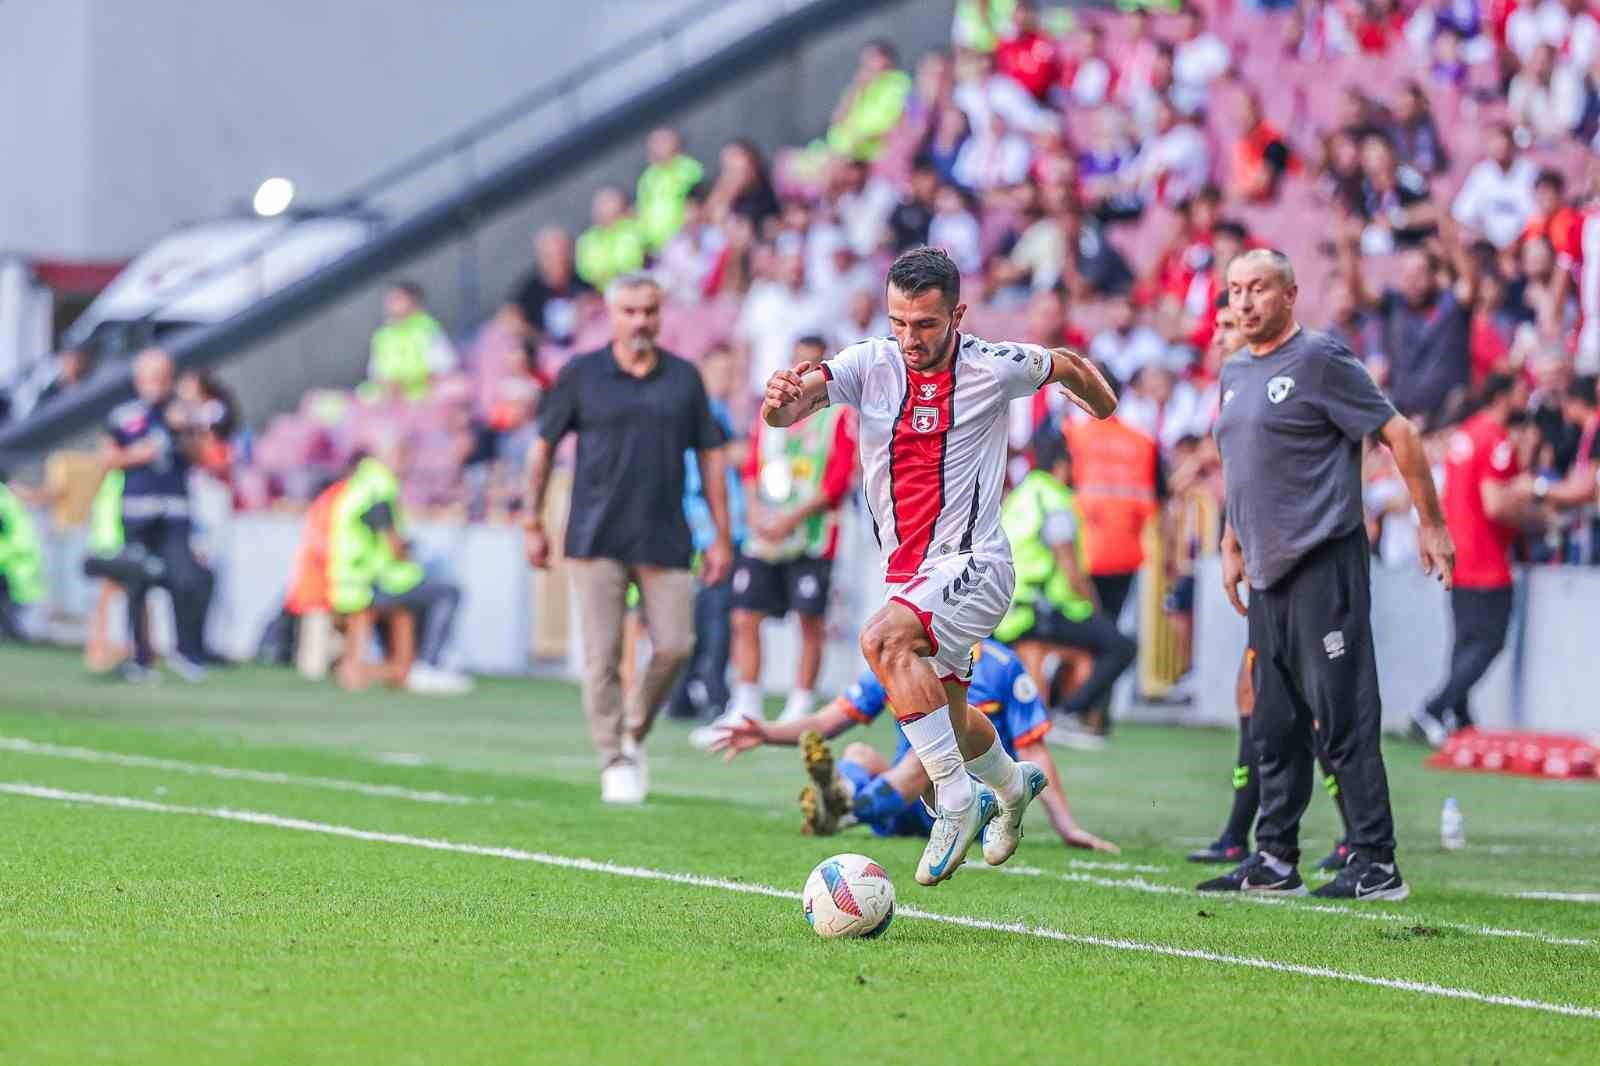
(1479, 451)
(1031, 60)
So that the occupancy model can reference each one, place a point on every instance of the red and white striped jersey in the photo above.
(933, 446)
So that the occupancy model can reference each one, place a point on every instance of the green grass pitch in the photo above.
(275, 872)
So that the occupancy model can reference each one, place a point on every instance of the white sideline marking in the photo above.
(1139, 884)
(23, 746)
(646, 874)
(1565, 897)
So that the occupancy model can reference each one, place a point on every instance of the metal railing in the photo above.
(573, 96)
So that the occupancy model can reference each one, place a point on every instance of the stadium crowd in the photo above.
(1429, 167)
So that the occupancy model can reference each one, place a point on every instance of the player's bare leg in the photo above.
(813, 635)
(944, 733)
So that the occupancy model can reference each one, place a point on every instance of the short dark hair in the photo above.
(1233, 229)
(409, 287)
(916, 271)
(1495, 386)
(1583, 390)
(1049, 447)
(811, 340)
(1553, 178)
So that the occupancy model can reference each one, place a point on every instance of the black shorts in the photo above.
(799, 585)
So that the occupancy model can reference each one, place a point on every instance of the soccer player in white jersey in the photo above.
(933, 407)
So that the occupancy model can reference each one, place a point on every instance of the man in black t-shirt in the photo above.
(548, 303)
(636, 410)
(152, 441)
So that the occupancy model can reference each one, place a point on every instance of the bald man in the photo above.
(150, 440)
(1294, 413)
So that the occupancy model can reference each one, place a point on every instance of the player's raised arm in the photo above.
(1085, 385)
(794, 394)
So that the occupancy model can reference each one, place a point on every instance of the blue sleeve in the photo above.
(1026, 718)
(867, 697)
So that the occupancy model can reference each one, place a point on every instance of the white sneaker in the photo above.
(1002, 835)
(633, 751)
(701, 737)
(794, 709)
(953, 833)
(427, 680)
(187, 669)
(619, 784)
(1066, 732)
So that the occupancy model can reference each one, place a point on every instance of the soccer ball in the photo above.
(849, 895)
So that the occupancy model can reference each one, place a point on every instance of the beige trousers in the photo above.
(666, 598)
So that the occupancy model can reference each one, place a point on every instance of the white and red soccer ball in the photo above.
(849, 896)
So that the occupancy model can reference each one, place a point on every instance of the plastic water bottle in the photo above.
(1452, 826)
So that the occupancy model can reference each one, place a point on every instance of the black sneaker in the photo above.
(1334, 861)
(1223, 849)
(1363, 879)
(1254, 875)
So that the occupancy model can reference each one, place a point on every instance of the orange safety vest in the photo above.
(1114, 476)
(308, 584)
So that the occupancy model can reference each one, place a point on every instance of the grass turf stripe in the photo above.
(645, 873)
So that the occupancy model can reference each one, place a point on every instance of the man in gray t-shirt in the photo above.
(1296, 406)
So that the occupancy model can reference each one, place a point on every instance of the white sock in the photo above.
(746, 701)
(1000, 772)
(935, 744)
(1276, 865)
(800, 701)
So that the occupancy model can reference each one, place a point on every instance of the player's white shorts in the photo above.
(959, 599)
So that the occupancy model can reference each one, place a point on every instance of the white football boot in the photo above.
(1002, 835)
(953, 833)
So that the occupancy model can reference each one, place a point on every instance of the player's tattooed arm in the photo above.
(1085, 385)
(794, 394)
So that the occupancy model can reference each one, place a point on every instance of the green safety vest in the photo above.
(400, 352)
(789, 471)
(359, 557)
(1022, 516)
(875, 112)
(980, 33)
(105, 516)
(663, 188)
(603, 252)
(21, 562)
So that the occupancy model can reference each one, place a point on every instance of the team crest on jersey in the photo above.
(1278, 389)
(927, 389)
(924, 419)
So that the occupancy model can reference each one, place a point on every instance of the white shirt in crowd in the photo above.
(1551, 110)
(1195, 65)
(1497, 203)
(865, 215)
(774, 316)
(987, 162)
(1575, 38)
(687, 261)
(958, 234)
(1174, 165)
(1125, 354)
(1184, 415)
(1092, 83)
(1000, 95)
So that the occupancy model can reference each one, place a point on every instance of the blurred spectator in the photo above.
(950, 133)
(1163, 406)
(955, 229)
(1126, 345)
(1546, 97)
(410, 349)
(691, 255)
(1391, 199)
(993, 157)
(72, 367)
(1027, 55)
(1555, 220)
(1104, 161)
(1199, 59)
(1086, 73)
(548, 304)
(777, 312)
(1417, 141)
(1497, 198)
(1495, 325)
(1067, 248)
(734, 271)
(1448, 66)
(911, 217)
(983, 92)
(863, 318)
(613, 244)
(1115, 469)
(1424, 326)
(213, 418)
(981, 24)
(1145, 98)
(862, 204)
(1261, 155)
(932, 92)
(150, 442)
(871, 105)
(1544, 290)
(21, 561)
(743, 186)
(1350, 322)
(1567, 25)
(1338, 171)
(1175, 161)
(664, 186)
